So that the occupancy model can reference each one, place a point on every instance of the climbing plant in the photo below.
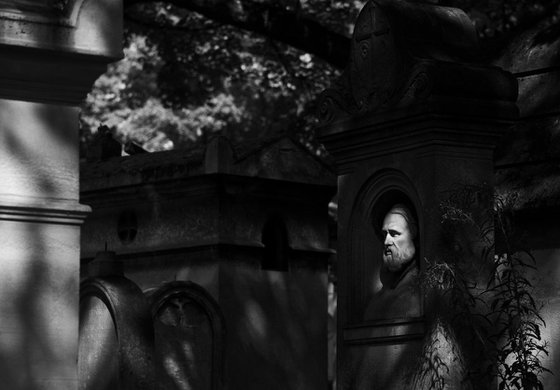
(488, 322)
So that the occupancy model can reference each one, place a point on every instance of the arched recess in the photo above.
(276, 245)
(120, 300)
(382, 190)
(190, 337)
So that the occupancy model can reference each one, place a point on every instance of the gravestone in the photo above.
(412, 120)
(99, 346)
(116, 332)
(189, 337)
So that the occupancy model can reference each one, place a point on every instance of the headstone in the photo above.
(189, 334)
(99, 346)
(116, 331)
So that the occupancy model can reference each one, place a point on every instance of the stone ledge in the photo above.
(48, 77)
(40, 211)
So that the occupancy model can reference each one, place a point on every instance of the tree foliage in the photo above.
(245, 68)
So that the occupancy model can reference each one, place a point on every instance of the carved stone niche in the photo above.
(381, 321)
(365, 247)
(189, 332)
(116, 336)
(405, 54)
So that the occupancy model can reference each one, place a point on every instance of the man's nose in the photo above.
(388, 240)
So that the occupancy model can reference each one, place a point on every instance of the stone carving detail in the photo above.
(336, 102)
(189, 337)
(61, 12)
(396, 52)
(418, 88)
(116, 336)
(375, 67)
(399, 296)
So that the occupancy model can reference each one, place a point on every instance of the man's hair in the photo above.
(407, 214)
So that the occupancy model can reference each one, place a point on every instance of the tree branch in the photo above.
(274, 22)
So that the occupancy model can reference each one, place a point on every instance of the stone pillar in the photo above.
(412, 120)
(50, 54)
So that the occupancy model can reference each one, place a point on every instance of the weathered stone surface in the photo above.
(406, 55)
(99, 347)
(54, 52)
(116, 336)
(189, 336)
(228, 206)
(538, 93)
(278, 158)
(71, 26)
(50, 54)
(535, 48)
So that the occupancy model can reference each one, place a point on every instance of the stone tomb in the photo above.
(249, 224)
(412, 120)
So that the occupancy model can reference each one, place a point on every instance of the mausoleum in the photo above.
(245, 227)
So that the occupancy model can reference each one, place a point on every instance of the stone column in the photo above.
(413, 120)
(51, 52)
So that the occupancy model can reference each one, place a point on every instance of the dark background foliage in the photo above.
(247, 68)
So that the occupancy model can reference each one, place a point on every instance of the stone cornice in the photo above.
(47, 76)
(227, 246)
(206, 186)
(385, 331)
(419, 130)
(41, 211)
(58, 12)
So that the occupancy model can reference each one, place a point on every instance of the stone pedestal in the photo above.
(414, 121)
(50, 54)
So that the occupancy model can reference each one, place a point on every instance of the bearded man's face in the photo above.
(398, 246)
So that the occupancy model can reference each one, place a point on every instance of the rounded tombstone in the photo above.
(189, 334)
(376, 64)
(402, 52)
(116, 336)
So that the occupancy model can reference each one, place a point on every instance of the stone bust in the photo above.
(398, 297)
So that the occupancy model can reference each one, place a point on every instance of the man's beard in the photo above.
(396, 258)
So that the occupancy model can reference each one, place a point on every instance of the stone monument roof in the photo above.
(408, 54)
(280, 158)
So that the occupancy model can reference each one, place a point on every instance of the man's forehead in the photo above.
(394, 220)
